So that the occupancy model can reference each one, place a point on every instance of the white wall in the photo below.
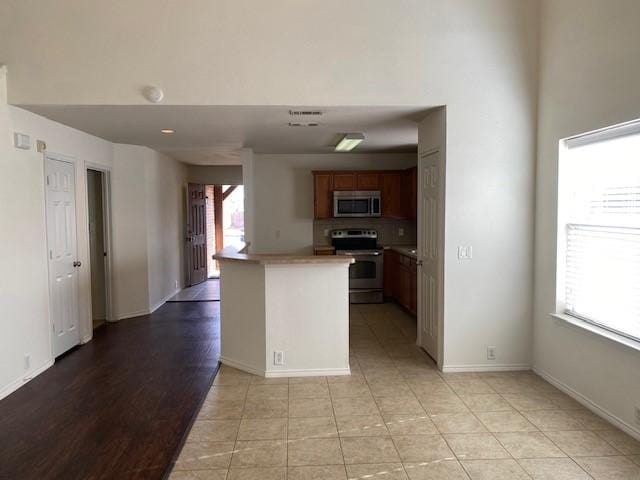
(283, 189)
(296, 52)
(128, 218)
(136, 182)
(148, 223)
(24, 301)
(590, 72)
(215, 174)
(477, 58)
(166, 207)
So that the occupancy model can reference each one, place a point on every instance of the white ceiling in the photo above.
(207, 135)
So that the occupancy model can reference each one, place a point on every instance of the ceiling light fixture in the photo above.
(167, 131)
(349, 142)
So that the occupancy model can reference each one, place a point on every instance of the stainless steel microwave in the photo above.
(357, 204)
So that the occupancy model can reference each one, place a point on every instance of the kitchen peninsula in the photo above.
(284, 315)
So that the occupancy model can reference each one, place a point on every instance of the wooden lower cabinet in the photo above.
(400, 279)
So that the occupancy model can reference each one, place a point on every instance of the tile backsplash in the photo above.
(388, 229)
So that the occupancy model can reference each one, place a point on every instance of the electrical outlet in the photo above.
(278, 357)
(401, 232)
(326, 232)
(637, 415)
(491, 353)
(277, 233)
(27, 362)
(465, 253)
(176, 284)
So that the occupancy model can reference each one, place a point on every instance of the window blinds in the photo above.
(601, 191)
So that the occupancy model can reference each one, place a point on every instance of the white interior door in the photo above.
(62, 250)
(430, 251)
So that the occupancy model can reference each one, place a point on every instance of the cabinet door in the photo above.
(392, 204)
(323, 201)
(389, 272)
(411, 193)
(404, 297)
(344, 181)
(413, 288)
(368, 181)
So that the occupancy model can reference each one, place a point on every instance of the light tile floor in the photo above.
(397, 418)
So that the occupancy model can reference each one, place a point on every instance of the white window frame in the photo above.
(559, 313)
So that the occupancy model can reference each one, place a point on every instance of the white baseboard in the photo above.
(241, 366)
(164, 300)
(308, 372)
(139, 313)
(589, 404)
(13, 386)
(149, 311)
(498, 367)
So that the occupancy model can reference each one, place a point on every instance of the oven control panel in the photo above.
(354, 233)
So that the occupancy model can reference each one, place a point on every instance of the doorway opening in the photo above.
(97, 195)
(225, 221)
(215, 220)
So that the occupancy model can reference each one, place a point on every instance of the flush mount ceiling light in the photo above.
(153, 94)
(167, 131)
(349, 142)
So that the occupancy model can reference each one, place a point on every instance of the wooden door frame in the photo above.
(73, 161)
(107, 239)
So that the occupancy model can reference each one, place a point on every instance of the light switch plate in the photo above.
(21, 141)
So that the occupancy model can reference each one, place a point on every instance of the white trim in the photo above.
(596, 330)
(13, 386)
(302, 372)
(139, 313)
(498, 367)
(150, 310)
(241, 366)
(308, 372)
(589, 404)
(163, 301)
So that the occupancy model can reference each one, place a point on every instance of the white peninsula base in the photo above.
(285, 316)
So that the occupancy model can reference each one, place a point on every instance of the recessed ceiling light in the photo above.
(167, 131)
(349, 142)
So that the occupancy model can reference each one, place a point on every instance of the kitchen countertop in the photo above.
(403, 250)
(330, 248)
(232, 254)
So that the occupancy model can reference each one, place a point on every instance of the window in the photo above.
(599, 229)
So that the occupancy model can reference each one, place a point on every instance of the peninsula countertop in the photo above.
(233, 254)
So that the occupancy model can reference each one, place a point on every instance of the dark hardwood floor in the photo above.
(118, 407)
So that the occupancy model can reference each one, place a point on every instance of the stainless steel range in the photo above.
(365, 275)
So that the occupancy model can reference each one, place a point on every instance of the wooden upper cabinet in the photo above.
(344, 181)
(368, 181)
(398, 188)
(392, 194)
(323, 195)
(411, 193)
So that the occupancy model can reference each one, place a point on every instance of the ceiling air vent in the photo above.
(304, 113)
(303, 124)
